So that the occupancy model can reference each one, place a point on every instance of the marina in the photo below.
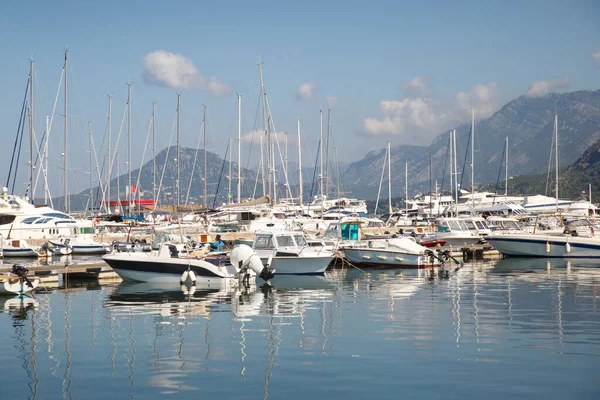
(513, 325)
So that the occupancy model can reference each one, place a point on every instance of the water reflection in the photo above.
(302, 334)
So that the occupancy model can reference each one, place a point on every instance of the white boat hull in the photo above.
(386, 259)
(546, 246)
(17, 286)
(141, 267)
(283, 265)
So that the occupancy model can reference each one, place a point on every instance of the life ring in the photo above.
(95, 222)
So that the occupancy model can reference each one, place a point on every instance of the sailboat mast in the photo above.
(455, 172)
(154, 153)
(451, 158)
(239, 174)
(47, 189)
(267, 130)
(229, 196)
(321, 141)
(506, 170)
(299, 166)
(91, 171)
(65, 159)
(129, 191)
(109, 155)
(389, 157)
(178, 182)
(286, 153)
(556, 157)
(205, 174)
(327, 153)
(473, 158)
(31, 119)
(406, 188)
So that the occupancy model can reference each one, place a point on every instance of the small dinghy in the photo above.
(16, 281)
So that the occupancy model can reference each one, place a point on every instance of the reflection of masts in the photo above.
(475, 307)
(456, 308)
(67, 383)
(510, 316)
(132, 359)
(559, 312)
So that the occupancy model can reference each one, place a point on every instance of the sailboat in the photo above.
(545, 245)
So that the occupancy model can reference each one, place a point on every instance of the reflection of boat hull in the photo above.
(142, 268)
(383, 259)
(298, 265)
(546, 246)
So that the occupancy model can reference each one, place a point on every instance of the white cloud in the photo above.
(416, 87)
(542, 88)
(331, 100)
(418, 119)
(178, 72)
(482, 98)
(596, 56)
(306, 91)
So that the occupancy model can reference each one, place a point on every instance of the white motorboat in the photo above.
(289, 253)
(455, 232)
(530, 245)
(80, 245)
(16, 248)
(389, 253)
(166, 265)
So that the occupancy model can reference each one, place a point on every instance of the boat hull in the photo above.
(299, 265)
(546, 246)
(164, 270)
(30, 253)
(382, 259)
(17, 286)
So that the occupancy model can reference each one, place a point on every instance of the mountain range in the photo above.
(527, 122)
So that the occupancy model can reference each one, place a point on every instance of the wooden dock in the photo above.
(96, 270)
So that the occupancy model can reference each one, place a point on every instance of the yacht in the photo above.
(389, 253)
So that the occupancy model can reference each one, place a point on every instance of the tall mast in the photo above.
(266, 128)
(262, 166)
(506, 170)
(109, 155)
(229, 196)
(473, 158)
(91, 171)
(205, 175)
(389, 151)
(31, 119)
(286, 153)
(327, 153)
(556, 157)
(129, 188)
(65, 163)
(451, 158)
(321, 148)
(299, 166)
(154, 153)
(406, 188)
(455, 172)
(178, 183)
(239, 174)
(47, 190)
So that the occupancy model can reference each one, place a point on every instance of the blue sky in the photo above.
(390, 70)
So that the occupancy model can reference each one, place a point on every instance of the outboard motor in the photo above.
(21, 271)
(243, 257)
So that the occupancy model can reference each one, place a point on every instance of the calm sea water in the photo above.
(518, 328)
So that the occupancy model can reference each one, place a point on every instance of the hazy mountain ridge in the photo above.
(527, 122)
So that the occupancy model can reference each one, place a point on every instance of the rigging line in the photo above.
(220, 176)
(445, 165)
(137, 182)
(112, 162)
(166, 159)
(21, 121)
(549, 164)
(18, 153)
(499, 172)
(201, 133)
(285, 174)
(312, 185)
(254, 131)
(100, 186)
(381, 181)
(462, 174)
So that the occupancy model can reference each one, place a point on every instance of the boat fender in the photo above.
(547, 246)
(184, 277)
(568, 246)
(192, 277)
